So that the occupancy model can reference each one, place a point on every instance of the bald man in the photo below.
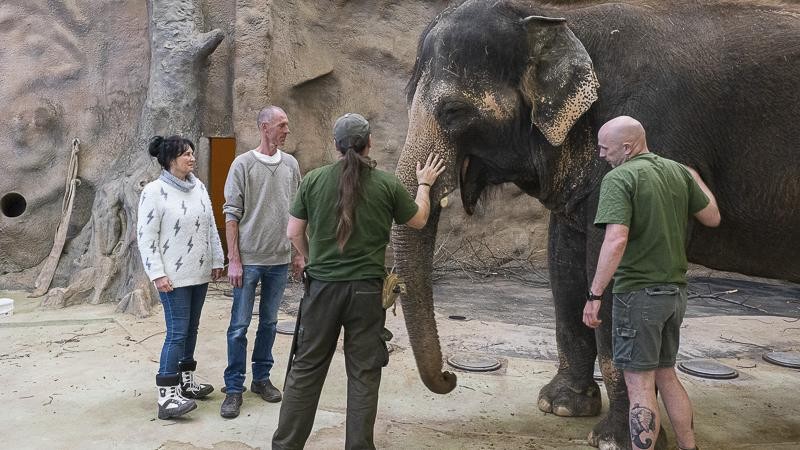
(645, 204)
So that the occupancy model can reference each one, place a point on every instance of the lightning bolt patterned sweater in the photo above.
(176, 233)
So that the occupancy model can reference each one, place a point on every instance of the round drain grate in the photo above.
(706, 368)
(785, 359)
(285, 327)
(473, 363)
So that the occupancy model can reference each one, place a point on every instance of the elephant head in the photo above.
(496, 91)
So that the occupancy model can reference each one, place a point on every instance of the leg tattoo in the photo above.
(642, 421)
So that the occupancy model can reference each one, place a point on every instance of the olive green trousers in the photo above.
(326, 308)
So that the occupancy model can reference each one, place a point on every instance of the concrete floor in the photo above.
(82, 378)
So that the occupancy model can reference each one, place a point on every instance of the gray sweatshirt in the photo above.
(258, 196)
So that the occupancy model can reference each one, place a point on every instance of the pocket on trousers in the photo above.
(623, 345)
(382, 359)
(661, 290)
(623, 300)
(368, 293)
(298, 339)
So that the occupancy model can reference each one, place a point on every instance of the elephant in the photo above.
(515, 92)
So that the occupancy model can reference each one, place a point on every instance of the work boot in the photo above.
(230, 406)
(266, 390)
(170, 402)
(189, 386)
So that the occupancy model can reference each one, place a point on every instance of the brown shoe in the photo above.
(266, 390)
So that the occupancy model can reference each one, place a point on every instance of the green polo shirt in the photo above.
(383, 199)
(653, 197)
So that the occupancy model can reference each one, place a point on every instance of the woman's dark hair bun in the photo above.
(155, 145)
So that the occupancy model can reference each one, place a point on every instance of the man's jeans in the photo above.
(273, 283)
(182, 308)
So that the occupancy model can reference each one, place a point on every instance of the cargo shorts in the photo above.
(646, 327)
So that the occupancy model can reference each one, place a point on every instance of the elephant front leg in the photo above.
(611, 432)
(572, 392)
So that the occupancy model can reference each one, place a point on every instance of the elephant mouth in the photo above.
(472, 181)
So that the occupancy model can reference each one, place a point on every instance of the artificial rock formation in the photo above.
(111, 267)
(103, 72)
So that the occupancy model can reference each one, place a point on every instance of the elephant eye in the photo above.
(453, 113)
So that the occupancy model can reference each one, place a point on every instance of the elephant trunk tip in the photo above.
(441, 384)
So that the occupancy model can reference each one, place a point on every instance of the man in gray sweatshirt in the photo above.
(260, 187)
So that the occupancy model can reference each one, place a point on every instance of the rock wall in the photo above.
(79, 69)
(71, 69)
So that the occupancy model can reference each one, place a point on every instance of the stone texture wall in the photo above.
(72, 69)
(79, 69)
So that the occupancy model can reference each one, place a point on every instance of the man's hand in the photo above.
(216, 273)
(591, 312)
(235, 273)
(298, 264)
(163, 284)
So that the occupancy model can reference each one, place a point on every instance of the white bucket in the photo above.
(6, 307)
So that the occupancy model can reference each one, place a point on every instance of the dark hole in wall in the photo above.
(13, 205)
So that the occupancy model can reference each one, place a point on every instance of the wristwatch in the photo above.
(592, 296)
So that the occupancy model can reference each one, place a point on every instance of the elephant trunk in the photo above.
(413, 250)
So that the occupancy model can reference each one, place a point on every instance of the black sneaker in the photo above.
(266, 390)
(230, 406)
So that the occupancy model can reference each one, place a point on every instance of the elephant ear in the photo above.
(559, 81)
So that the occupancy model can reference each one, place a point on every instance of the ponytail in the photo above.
(349, 191)
(154, 148)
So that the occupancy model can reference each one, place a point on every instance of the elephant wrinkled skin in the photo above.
(511, 92)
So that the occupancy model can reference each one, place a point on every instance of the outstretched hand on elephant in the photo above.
(427, 174)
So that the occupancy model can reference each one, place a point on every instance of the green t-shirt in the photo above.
(383, 199)
(653, 197)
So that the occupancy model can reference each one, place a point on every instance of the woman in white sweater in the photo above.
(181, 253)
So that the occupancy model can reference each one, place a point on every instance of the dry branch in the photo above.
(476, 260)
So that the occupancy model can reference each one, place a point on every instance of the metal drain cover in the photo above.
(706, 368)
(473, 363)
(785, 359)
(285, 327)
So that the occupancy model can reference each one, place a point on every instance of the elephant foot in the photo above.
(566, 400)
(612, 433)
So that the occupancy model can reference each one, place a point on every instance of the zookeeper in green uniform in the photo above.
(340, 221)
(645, 204)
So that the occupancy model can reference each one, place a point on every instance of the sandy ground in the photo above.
(83, 377)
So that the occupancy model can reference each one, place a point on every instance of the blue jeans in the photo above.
(182, 308)
(273, 283)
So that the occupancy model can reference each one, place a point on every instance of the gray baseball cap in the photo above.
(349, 128)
